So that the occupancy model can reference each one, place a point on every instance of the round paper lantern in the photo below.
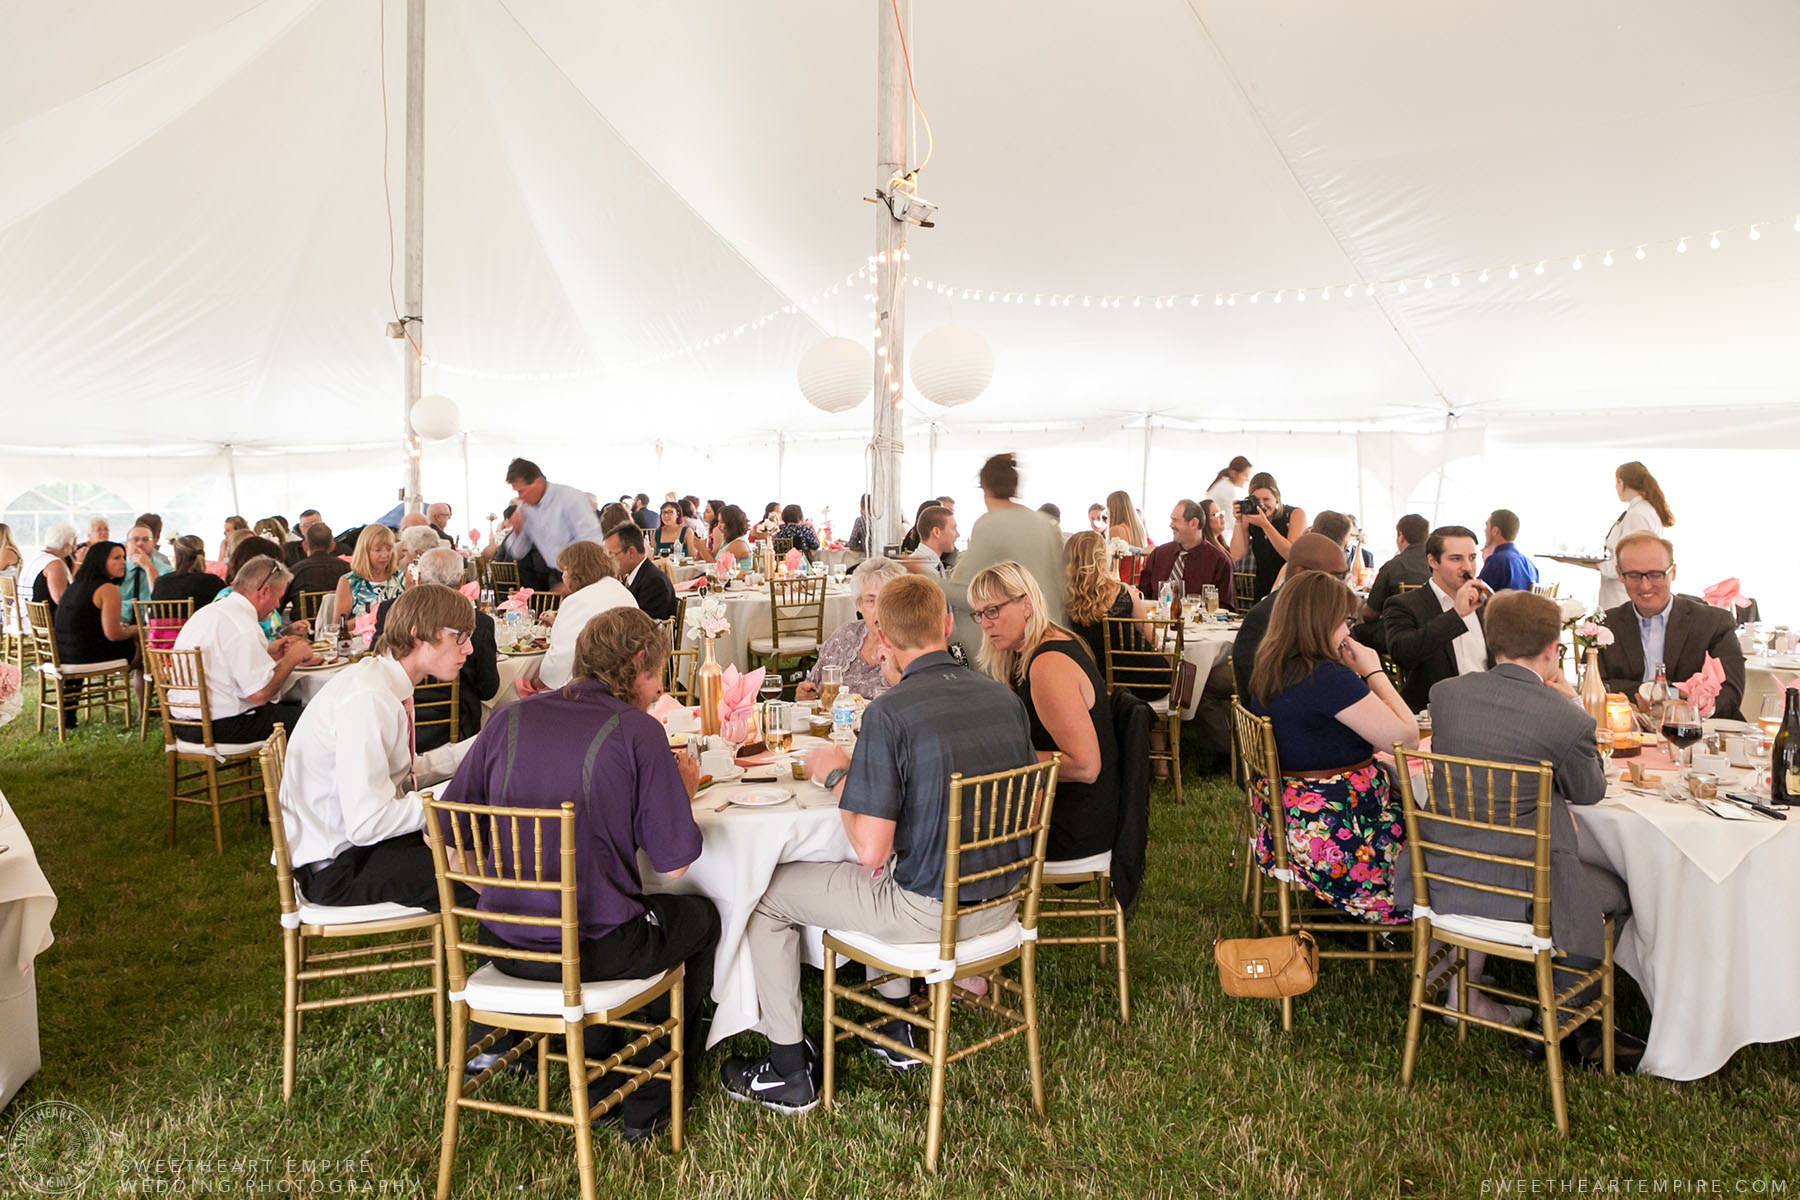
(435, 417)
(952, 365)
(836, 375)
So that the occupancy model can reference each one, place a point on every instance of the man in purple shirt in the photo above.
(1191, 556)
(593, 744)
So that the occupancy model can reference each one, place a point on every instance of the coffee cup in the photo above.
(715, 762)
(1712, 764)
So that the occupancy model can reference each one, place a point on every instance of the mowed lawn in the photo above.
(160, 1013)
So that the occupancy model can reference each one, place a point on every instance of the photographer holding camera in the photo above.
(1265, 530)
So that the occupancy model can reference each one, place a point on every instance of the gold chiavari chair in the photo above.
(1296, 907)
(395, 937)
(14, 640)
(1150, 661)
(998, 826)
(1102, 907)
(1407, 587)
(78, 688)
(205, 772)
(1243, 589)
(781, 546)
(435, 703)
(678, 672)
(525, 850)
(158, 624)
(543, 602)
(1451, 805)
(306, 606)
(503, 577)
(796, 622)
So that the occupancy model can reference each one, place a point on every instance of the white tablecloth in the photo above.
(1206, 645)
(1719, 962)
(743, 848)
(748, 612)
(306, 683)
(26, 905)
(1764, 677)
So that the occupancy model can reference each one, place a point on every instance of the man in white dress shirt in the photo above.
(1434, 632)
(245, 671)
(556, 515)
(350, 796)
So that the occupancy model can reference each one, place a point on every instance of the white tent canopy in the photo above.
(195, 242)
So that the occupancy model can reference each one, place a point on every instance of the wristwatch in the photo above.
(835, 776)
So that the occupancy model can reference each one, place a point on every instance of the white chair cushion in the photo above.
(352, 914)
(1160, 706)
(76, 670)
(1080, 866)
(923, 956)
(789, 645)
(491, 989)
(220, 750)
(1488, 929)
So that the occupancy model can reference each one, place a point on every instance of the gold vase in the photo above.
(1593, 689)
(709, 690)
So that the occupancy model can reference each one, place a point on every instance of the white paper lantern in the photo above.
(952, 365)
(836, 375)
(436, 417)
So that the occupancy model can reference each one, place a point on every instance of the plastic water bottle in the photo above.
(843, 720)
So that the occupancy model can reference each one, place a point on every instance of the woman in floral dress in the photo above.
(1331, 705)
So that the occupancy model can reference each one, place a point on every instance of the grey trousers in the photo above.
(834, 896)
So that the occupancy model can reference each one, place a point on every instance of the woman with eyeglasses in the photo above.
(1051, 670)
(673, 533)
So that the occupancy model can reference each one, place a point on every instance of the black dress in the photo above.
(198, 586)
(1085, 815)
(80, 637)
(1269, 560)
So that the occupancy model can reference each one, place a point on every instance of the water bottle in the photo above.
(843, 720)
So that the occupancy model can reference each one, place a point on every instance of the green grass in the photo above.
(160, 1013)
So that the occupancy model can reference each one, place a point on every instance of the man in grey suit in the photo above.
(1523, 711)
(1657, 627)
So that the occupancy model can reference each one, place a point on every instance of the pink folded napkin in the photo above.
(1702, 690)
(1725, 594)
(364, 627)
(475, 537)
(471, 590)
(793, 560)
(726, 564)
(666, 708)
(691, 585)
(518, 602)
(737, 702)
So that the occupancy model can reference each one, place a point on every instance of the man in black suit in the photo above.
(1408, 567)
(1677, 631)
(320, 569)
(654, 594)
(1434, 633)
(438, 515)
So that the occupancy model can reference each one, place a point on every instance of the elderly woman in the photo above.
(853, 645)
(592, 578)
(480, 672)
(1050, 669)
(411, 543)
(46, 577)
(373, 577)
(1331, 706)
(188, 579)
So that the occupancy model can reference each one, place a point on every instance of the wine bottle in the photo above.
(1659, 695)
(1784, 763)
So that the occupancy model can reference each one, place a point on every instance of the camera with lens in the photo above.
(1249, 506)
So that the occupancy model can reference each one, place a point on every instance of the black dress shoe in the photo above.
(633, 1134)
(1584, 1048)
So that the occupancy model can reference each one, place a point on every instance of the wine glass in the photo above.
(1681, 725)
(771, 686)
(1769, 719)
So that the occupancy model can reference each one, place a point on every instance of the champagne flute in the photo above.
(1769, 719)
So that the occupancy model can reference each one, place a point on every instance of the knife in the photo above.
(1767, 810)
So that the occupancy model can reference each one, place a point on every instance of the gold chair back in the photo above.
(158, 624)
(13, 634)
(1243, 588)
(180, 680)
(271, 760)
(1144, 653)
(40, 633)
(678, 671)
(503, 577)
(1408, 587)
(781, 545)
(307, 606)
(797, 609)
(436, 702)
(543, 602)
(998, 825)
(1260, 766)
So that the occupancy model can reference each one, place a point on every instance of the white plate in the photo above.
(724, 774)
(761, 796)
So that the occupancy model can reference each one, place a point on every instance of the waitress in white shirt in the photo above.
(1226, 489)
(1645, 509)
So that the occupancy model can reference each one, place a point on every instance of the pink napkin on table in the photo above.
(1702, 690)
(471, 590)
(793, 561)
(475, 536)
(1725, 594)
(737, 700)
(364, 627)
(215, 568)
(517, 602)
(726, 563)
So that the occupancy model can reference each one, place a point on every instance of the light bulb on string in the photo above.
(1681, 246)
(1278, 297)
(1640, 254)
(1455, 279)
(1369, 291)
(1755, 234)
(1714, 243)
(1324, 294)
(1255, 296)
(1539, 269)
(1232, 301)
(1608, 260)
(1403, 287)
(1483, 277)
(1513, 273)
(1576, 265)
(1218, 301)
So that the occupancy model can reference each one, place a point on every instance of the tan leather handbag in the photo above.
(1267, 968)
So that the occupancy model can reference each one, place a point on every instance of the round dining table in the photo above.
(1205, 644)
(748, 609)
(1714, 934)
(306, 682)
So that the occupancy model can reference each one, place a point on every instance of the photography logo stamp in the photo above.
(53, 1148)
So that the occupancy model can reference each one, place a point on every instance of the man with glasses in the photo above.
(245, 672)
(350, 796)
(1657, 627)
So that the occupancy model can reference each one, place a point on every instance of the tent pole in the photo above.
(1144, 485)
(231, 471)
(414, 278)
(890, 277)
(468, 495)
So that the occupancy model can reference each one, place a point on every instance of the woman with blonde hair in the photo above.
(1093, 594)
(1331, 706)
(1122, 520)
(10, 558)
(233, 524)
(1051, 670)
(372, 577)
(1646, 509)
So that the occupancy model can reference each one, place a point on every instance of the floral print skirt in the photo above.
(1344, 835)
